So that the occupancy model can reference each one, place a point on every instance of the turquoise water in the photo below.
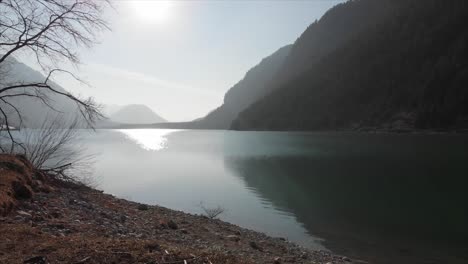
(377, 197)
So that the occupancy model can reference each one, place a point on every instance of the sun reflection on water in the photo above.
(148, 139)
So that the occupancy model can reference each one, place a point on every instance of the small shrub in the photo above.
(143, 207)
(212, 212)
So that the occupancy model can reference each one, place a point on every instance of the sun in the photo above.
(155, 11)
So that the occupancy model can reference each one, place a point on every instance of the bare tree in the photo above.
(55, 148)
(52, 31)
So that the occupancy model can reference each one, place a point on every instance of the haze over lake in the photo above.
(367, 196)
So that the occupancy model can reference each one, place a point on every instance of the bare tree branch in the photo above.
(53, 31)
(14, 142)
(55, 149)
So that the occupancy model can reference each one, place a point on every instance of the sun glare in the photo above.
(155, 11)
(148, 139)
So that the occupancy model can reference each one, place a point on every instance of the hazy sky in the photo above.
(180, 57)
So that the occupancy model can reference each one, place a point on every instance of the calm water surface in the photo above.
(380, 198)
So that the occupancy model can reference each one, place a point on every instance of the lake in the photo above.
(382, 198)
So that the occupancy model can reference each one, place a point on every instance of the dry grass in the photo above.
(15, 181)
(24, 242)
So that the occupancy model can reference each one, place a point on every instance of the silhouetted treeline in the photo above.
(382, 64)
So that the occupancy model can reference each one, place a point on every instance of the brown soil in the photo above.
(65, 223)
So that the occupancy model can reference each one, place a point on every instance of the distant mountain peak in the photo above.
(136, 114)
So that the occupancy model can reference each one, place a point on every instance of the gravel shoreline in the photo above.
(63, 223)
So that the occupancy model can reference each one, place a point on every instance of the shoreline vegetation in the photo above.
(45, 220)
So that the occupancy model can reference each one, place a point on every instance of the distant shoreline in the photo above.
(371, 130)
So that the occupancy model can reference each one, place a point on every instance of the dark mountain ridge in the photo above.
(337, 26)
(320, 39)
(409, 70)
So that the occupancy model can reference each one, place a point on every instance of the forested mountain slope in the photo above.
(336, 27)
(409, 70)
(251, 88)
(320, 39)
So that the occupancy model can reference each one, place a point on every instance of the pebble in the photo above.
(123, 218)
(24, 214)
(233, 238)
(83, 260)
(346, 259)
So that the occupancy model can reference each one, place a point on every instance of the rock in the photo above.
(24, 214)
(346, 259)
(123, 218)
(83, 260)
(46, 230)
(233, 238)
(36, 260)
(172, 225)
(143, 207)
(254, 245)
